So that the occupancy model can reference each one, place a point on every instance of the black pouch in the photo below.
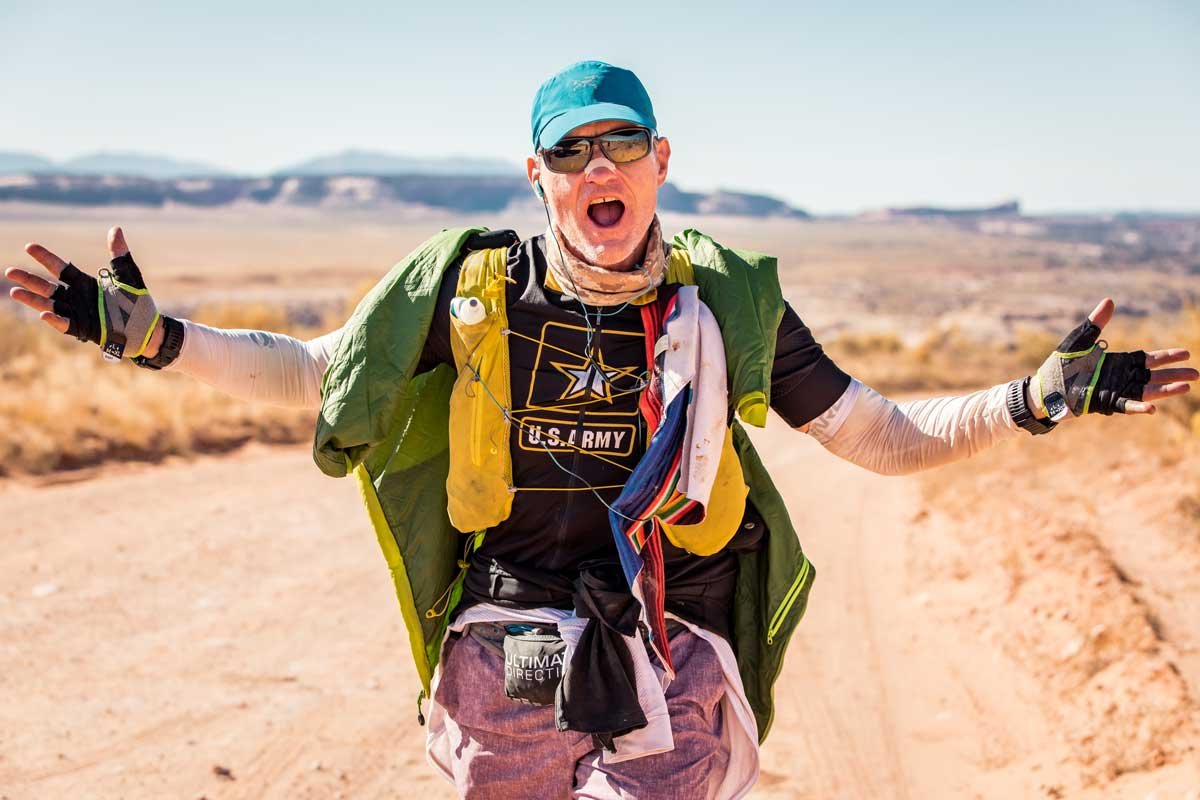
(533, 665)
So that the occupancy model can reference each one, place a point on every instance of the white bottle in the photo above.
(467, 309)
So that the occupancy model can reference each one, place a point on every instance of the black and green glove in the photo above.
(116, 311)
(1082, 377)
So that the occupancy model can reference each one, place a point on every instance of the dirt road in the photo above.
(237, 618)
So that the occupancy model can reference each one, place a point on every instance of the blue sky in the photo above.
(834, 107)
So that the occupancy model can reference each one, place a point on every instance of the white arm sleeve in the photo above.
(257, 365)
(890, 438)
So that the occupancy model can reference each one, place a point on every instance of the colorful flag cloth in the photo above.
(685, 407)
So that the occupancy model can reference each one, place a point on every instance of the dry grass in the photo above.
(63, 407)
(943, 359)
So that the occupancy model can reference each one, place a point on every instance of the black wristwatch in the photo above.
(168, 351)
(1021, 413)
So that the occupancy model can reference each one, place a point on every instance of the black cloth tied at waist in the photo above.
(598, 692)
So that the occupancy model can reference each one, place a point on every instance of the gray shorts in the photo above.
(504, 749)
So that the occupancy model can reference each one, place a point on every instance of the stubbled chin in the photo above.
(602, 246)
(606, 251)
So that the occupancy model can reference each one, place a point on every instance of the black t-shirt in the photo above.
(564, 402)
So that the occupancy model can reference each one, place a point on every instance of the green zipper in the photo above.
(788, 601)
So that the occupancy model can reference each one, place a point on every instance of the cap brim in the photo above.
(564, 123)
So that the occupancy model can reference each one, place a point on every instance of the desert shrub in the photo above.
(869, 343)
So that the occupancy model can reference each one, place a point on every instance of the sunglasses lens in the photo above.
(620, 147)
(625, 146)
(568, 155)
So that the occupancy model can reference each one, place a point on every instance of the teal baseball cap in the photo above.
(588, 91)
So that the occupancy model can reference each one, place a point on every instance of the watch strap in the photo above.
(168, 351)
(1021, 413)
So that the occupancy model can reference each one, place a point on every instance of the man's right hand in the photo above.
(116, 313)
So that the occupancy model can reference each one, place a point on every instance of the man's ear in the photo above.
(662, 150)
(533, 171)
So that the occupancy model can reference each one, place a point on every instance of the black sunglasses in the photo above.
(623, 146)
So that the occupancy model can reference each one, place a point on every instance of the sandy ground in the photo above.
(239, 620)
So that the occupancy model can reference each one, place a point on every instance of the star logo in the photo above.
(590, 379)
(592, 385)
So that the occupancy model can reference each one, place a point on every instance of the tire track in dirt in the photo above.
(894, 769)
(835, 735)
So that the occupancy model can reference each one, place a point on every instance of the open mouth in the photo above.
(606, 211)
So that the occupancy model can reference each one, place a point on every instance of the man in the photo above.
(524, 391)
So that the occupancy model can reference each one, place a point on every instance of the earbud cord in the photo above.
(590, 329)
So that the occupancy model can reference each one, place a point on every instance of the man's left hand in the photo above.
(1082, 377)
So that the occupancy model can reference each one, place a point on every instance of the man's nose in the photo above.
(600, 168)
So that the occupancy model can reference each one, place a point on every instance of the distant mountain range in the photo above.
(1012, 208)
(365, 162)
(25, 163)
(123, 164)
(351, 179)
(464, 193)
(350, 162)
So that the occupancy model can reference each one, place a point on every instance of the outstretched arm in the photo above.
(869, 430)
(118, 313)
(899, 438)
(257, 365)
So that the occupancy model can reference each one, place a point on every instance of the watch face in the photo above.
(1056, 406)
